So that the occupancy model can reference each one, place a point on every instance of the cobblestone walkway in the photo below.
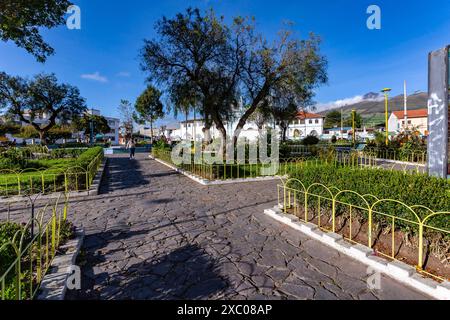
(154, 234)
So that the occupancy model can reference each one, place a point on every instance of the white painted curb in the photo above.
(54, 283)
(397, 270)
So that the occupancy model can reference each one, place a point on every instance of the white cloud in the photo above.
(95, 77)
(124, 74)
(344, 102)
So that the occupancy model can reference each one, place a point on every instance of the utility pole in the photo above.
(405, 102)
(386, 97)
(342, 122)
(354, 127)
(92, 126)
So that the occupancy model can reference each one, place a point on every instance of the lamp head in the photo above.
(386, 90)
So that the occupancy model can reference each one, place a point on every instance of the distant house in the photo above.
(305, 124)
(414, 119)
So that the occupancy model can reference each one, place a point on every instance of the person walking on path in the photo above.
(132, 146)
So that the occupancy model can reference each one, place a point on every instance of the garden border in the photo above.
(206, 182)
(397, 270)
(402, 162)
(54, 284)
(93, 190)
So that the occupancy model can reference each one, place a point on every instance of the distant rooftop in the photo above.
(419, 113)
(308, 115)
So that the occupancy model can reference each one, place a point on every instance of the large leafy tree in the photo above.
(149, 108)
(333, 119)
(220, 64)
(126, 118)
(21, 20)
(40, 98)
(55, 133)
(83, 124)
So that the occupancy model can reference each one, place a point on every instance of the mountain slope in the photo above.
(373, 104)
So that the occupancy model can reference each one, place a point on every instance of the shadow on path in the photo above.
(123, 173)
(185, 273)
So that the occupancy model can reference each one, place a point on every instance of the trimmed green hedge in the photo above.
(412, 189)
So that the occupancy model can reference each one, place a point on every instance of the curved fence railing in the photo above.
(412, 233)
(243, 170)
(411, 156)
(417, 156)
(51, 180)
(28, 249)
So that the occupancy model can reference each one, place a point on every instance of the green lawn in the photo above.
(46, 176)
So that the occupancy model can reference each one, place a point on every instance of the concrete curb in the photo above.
(397, 270)
(401, 162)
(206, 182)
(54, 284)
(93, 190)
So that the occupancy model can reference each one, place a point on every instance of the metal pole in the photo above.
(386, 92)
(386, 118)
(92, 127)
(405, 102)
(354, 127)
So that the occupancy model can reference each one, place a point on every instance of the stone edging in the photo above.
(206, 182)
(397, 270)
(54, 284)
(93, 190)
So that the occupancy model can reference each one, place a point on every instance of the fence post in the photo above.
(370, 228)
(420, 264)
(333, 214)
(306, 206)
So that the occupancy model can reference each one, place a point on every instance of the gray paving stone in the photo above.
(153, 234)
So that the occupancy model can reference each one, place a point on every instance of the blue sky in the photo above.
(102, 58)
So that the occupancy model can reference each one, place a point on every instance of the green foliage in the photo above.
(412, 189)
(148, 106)
(83, 124)
(8, 256)
(30, 99)
(406, 146)
(202, 60)
(10, 128)
(55, 133)
(333, 139)
(332, 119)
(160, 145)
(21, 21)
(7, 232)
(310, 140)
(28, 132)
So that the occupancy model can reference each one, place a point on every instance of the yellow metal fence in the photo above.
(33, 181)
(31, 250)
(382, 224)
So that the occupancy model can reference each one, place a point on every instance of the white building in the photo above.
(113, 123)
(193, 130)
(417, 119)
(306, 124)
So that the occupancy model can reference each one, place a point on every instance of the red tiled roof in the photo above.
(308, 115)
(419, 113)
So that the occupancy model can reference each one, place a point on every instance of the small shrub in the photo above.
(310, 140)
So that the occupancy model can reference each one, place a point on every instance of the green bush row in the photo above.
(410, 188)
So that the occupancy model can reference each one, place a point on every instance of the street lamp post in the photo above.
(354, 127)
(386, 97)
(92, 127)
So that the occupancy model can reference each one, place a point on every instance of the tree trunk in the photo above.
(42, 137)
(151, 132)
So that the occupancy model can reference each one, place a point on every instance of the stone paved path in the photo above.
(154, 234)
